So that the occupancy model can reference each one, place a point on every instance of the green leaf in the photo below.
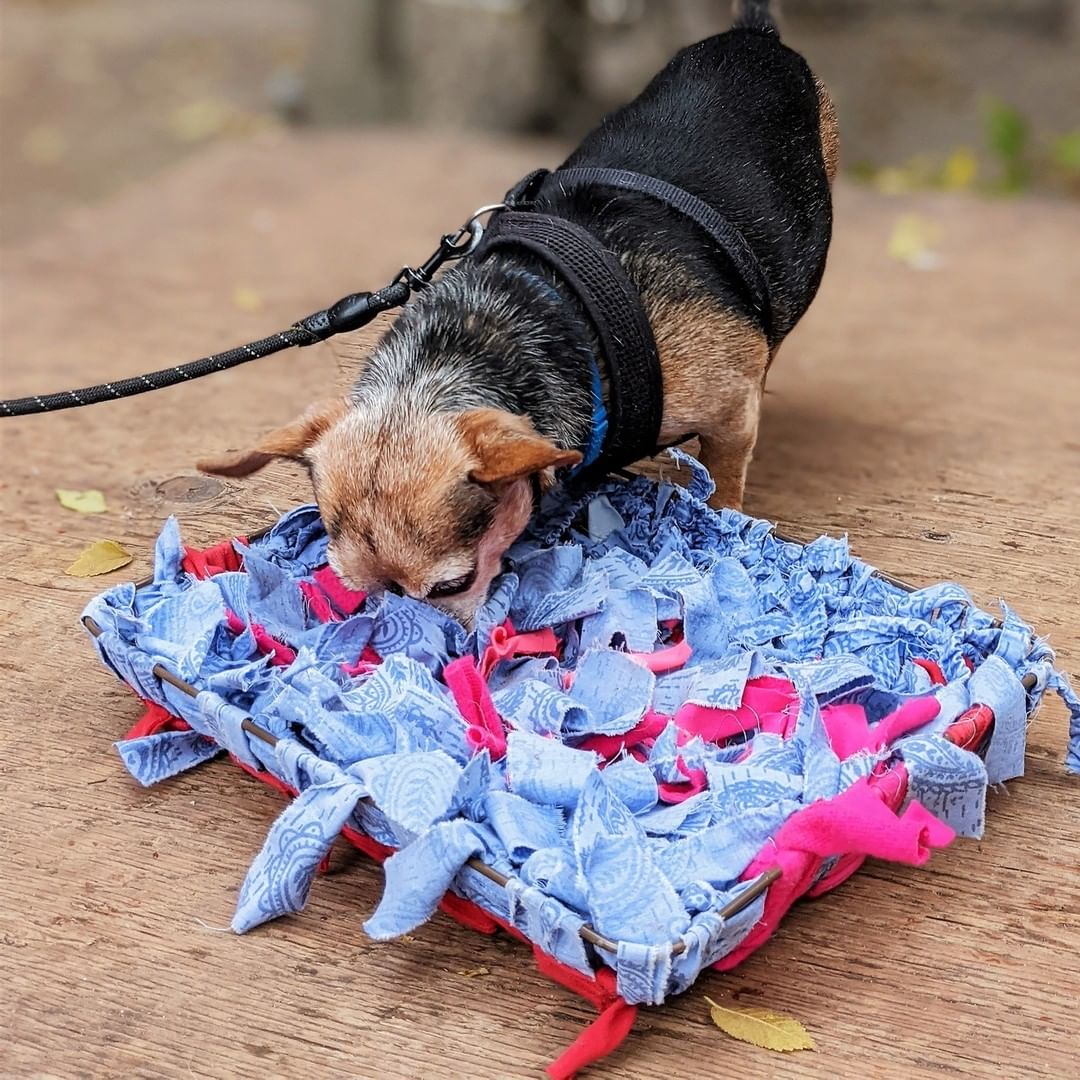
(1006, 131)
(763, 1028)
(1066, 151)
(84, 502)
(100, 558)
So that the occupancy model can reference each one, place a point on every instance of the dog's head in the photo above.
(424, 505)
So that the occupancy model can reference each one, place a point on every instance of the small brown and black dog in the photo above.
(425, 473)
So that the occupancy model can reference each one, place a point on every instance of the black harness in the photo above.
(634, 408)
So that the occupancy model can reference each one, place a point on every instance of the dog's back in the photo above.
(740, 121)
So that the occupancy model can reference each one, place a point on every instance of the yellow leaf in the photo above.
(893, 180)
(246, 299)
(100, 558)
(912, 242)
(761, 1027)
(85, 502)
(44, 145)
(961, 168)
(199, 120)
(472, 973)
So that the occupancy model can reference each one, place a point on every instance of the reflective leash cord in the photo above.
(349, 313)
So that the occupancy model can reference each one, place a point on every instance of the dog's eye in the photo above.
(454, 586)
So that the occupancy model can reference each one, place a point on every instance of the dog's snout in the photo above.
(395, 588)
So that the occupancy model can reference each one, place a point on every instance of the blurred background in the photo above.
(972, 95)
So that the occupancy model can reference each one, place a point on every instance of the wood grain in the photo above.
(929, 415)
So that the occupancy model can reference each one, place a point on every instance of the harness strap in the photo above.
(728, 239)
(612, 305)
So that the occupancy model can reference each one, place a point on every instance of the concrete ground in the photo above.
(928, 413)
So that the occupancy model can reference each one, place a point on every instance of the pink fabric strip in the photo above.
(674, 656)
(474, 702)
(855, 823)
(890, 784)
(849, 733)
(505, 644)
(281, 655)
(765, 704)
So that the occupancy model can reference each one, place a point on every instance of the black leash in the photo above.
(349, 313)
(594, 274)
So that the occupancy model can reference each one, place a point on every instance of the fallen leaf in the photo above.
(246, 299)
(893, 180)
(199, 120)
(1066, 151)
(763, 1028)
(472, 973)
(100, 558)
(44, 145)
(960, 169)
(85, 502)
(912, 241)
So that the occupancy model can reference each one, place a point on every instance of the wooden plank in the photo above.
(930, 415)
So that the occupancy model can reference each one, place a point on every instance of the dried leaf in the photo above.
(961, 168)
(199, 120)
(912, 242)
(1066, 151)
(472, 973)
(763, 1028)
(246, 299)
(84, 502)
(100, 558)
(44, 145)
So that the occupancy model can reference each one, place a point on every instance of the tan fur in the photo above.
(714, 365)
(290, 441)
(507, 446)
(387, 488)
(830, 131)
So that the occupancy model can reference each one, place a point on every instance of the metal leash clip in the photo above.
(453, 246)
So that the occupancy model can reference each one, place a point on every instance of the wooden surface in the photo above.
(932, 415)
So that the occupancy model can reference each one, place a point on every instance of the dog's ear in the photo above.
(507, 446)
(289, 441)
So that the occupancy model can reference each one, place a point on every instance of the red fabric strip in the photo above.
(154, 720)
(607, 746)
(319, 603)
(606, 1033)
(346, 600)
(932, 668)
(206, 562)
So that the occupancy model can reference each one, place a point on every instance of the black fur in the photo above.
(734, 120)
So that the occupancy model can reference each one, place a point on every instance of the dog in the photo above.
(478, 394)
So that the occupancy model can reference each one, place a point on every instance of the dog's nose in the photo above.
(395, 588)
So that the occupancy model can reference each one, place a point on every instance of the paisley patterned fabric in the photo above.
(668, 690)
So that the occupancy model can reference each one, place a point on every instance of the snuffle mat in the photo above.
(667, 725)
